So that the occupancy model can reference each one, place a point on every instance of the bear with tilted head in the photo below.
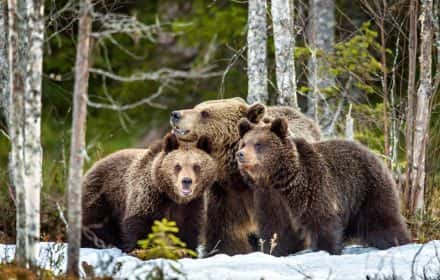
(328, 191)
(124, 193)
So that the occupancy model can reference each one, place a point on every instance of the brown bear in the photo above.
(230, 216)
(330, 190)
(124, 193)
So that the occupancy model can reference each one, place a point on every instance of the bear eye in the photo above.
(258, 145)
(196, 168)
(177, 167)
(204, 114)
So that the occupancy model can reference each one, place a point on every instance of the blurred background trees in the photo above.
(150, 57)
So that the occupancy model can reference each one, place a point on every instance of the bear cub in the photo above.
(328, 191)
(127, 191)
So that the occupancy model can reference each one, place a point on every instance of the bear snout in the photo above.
(175, 116)
(240, 157)
(186, 184)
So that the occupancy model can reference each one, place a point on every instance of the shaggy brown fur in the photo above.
(299, 125)
(230, 214)
(127, 191)
(330, 190)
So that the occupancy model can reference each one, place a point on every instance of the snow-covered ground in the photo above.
(406, 262)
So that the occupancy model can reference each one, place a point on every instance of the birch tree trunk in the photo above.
(25, 55)
(284, 39)
(321, 28)
(16, 132)
(257, 52)
(77, 148)
(349, 125)
(424, 94)
(410, 110)
(4, 65)
(32, 120)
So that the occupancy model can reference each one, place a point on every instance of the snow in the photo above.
(410, 261)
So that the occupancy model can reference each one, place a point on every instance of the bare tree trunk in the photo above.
(320, 32)
(4, 65)
(422, 116)
(78, 149)
(16, 132)
(436, 82)
(25, 54)
(32, 109)
(284, 39)
(383, 54)
(349, 125)
(257, 52)
(412, 65)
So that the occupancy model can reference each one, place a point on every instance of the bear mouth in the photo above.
(179, 131)
(186, 192)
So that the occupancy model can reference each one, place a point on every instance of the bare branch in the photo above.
(160, 75)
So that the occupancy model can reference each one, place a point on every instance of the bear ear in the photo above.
(256, 112)
(244, 126)
(279, 126)
(205, 144)
(170, 143)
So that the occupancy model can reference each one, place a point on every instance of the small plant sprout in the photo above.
(162, 242)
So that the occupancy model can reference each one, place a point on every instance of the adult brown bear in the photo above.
(330, 190)
(125, 192)
(230, 215)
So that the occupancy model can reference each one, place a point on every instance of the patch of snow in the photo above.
(410, 261)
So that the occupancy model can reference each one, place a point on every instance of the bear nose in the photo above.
(240, 156)
(175, 116)
(186, 182)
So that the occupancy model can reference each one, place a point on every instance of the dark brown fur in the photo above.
(230, 213)
(127, 191)
(330, 191)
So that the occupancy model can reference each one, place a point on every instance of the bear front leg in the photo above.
(133, 229)
(273, 218)
(227, 224)
(327, 236)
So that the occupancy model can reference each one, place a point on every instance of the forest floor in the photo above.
(412, 261)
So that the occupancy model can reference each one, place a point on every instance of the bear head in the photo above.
(262, 149)
(216, 119)
(183, 171)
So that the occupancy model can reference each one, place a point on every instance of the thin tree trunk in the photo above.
(410, 110)
(384, 82)
(320, 33)
(25, 55)
(16, 132)
(284, 39)
(4, 65)
(349, 125)
(424, 94)
(32, 114)
(78, 149)
(257, 52)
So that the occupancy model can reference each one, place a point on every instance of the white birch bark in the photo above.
(321, 28)
(284, 40)
(4, 65)
(257, 52)
(16, 132)
(349, 125)
(77, 148)
(33, 159)
(25, 54)
(424, 94)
